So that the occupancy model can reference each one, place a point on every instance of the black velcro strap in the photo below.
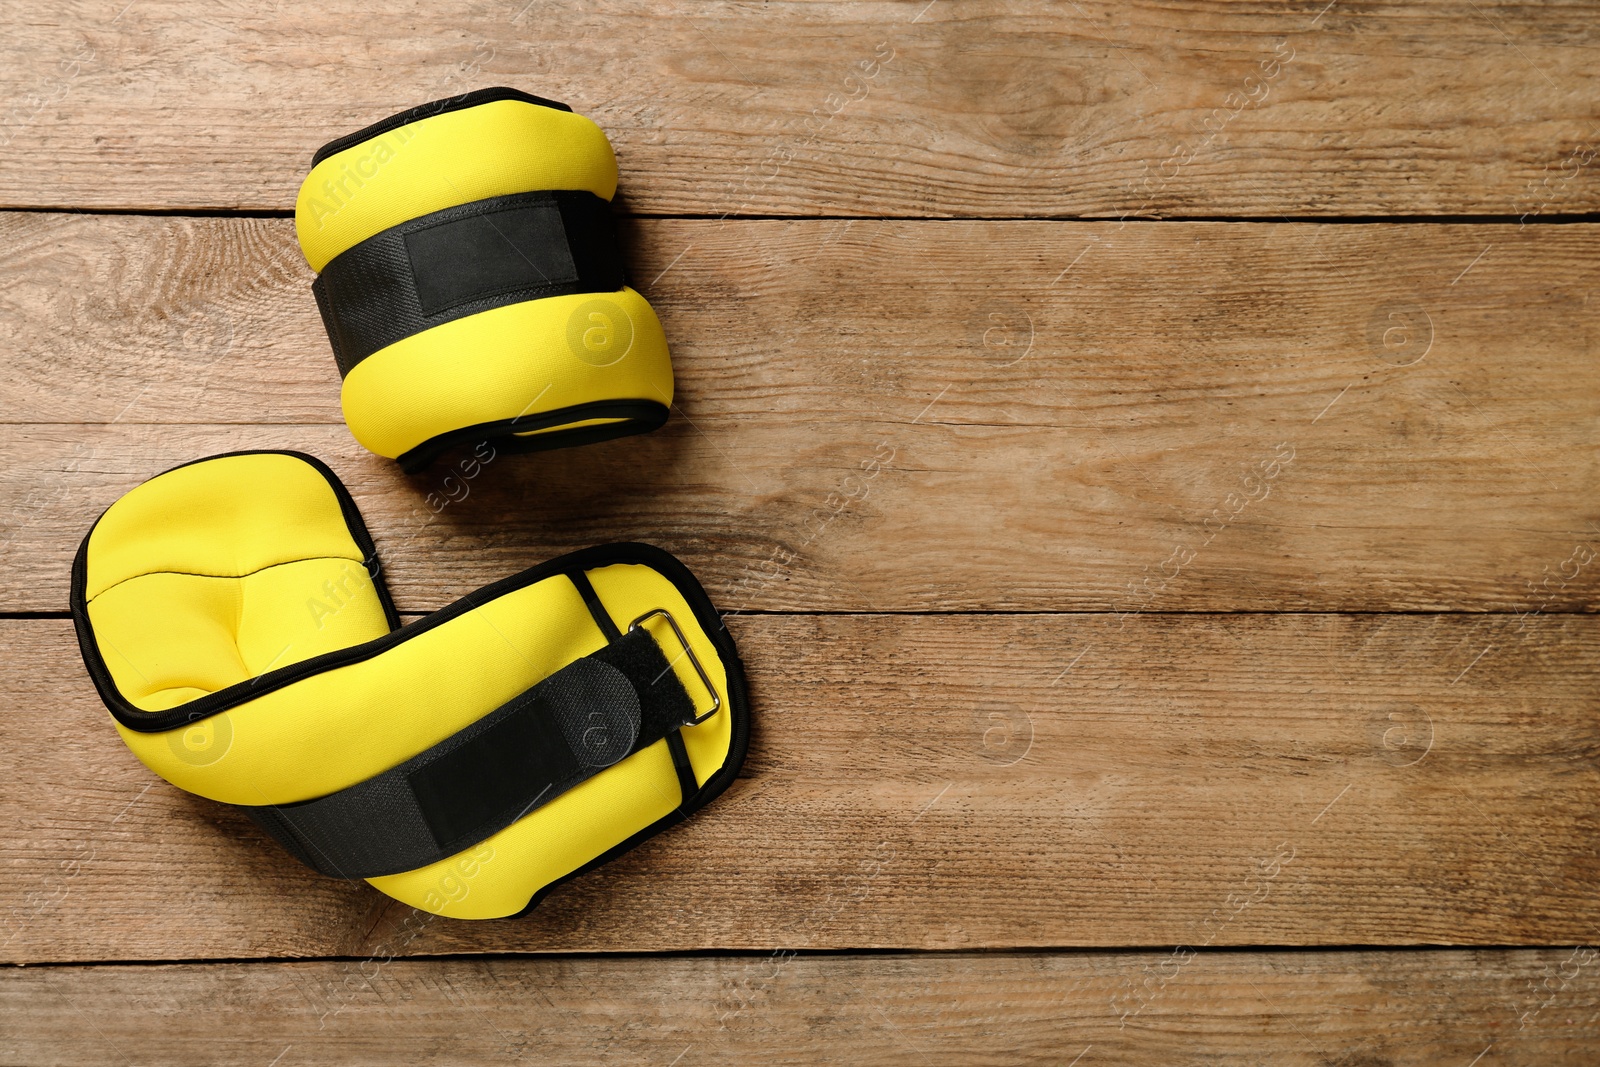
(568, 728)
(463, 260)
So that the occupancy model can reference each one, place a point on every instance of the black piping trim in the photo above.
(687, 786)
(591, 600)
(638, 416)
(141, 720)
(428, 110)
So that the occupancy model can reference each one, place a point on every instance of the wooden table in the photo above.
(1147, 452)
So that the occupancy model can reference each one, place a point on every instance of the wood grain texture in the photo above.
(1062, 415)
(1298, 1009)
(1016, 477)
(951, 108)
(935, 783)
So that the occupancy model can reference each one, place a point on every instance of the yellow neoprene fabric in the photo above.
(510, 362)
(193, 586)
(492, 149)
(216, 573)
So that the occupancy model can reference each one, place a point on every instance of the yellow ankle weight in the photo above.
(234, 621)
(470, 281)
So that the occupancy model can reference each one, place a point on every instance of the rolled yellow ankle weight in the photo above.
(233, 619)
(469, 278)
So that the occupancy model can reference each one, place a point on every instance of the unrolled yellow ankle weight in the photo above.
(233, 619)
(469, 278)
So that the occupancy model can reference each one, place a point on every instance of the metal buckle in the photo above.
(705, 679)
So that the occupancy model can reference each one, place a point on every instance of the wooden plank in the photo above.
(1095, 437)
(991, 108)
(939, 782)
(1523, 1006)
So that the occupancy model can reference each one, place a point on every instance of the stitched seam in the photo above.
(197, 574)
(493, 205)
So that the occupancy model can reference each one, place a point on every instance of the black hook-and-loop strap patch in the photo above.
(462, 260)
(582, 719)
